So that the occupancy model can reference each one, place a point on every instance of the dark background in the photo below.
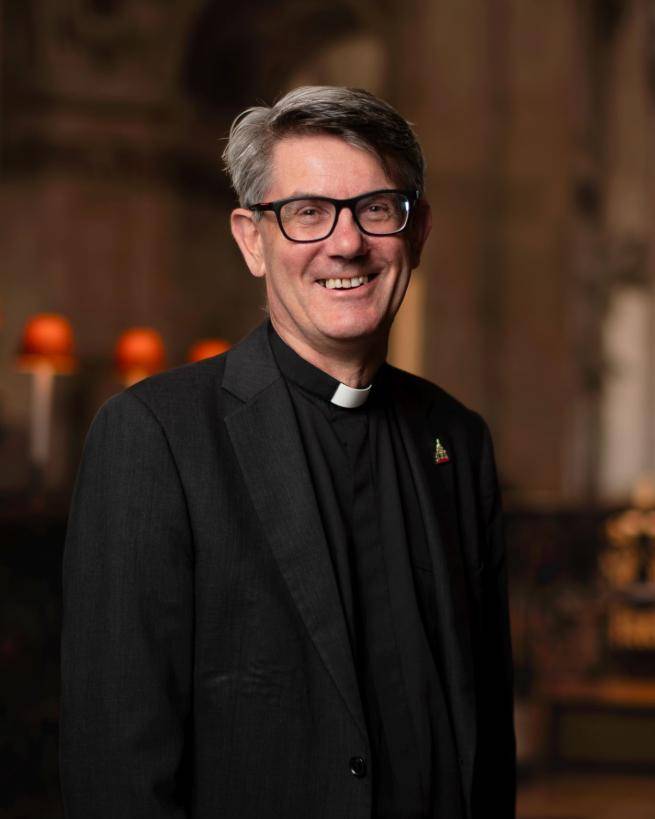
(533, 304)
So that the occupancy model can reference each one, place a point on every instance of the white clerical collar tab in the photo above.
(350, 397)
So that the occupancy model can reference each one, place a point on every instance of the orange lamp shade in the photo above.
(206, 348)
(47, 339)
(139, 352)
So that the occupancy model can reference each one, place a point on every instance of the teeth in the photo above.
(343, 284)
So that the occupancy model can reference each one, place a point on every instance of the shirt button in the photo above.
(358, 766)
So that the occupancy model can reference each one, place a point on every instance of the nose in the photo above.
(346, 239)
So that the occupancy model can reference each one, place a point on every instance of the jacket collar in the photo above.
(249, 366)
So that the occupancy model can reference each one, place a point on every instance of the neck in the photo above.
(352, 362)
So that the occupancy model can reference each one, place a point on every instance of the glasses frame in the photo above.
(339, 204)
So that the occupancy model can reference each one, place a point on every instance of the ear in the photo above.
(247, 234)
(419, 231)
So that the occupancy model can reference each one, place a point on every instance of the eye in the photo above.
(306, 211)
(309, 214)
(378, 207)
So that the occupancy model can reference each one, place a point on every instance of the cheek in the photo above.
(288, 276)
(397, 253)
(399, 265)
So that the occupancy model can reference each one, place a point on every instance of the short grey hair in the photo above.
(356, 116)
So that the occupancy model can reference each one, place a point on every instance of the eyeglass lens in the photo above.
(379, 214)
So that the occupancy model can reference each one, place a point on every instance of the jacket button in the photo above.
(358, 766)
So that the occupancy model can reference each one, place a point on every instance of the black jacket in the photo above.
(206, 669)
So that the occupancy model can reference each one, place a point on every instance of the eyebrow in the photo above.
(306, 195)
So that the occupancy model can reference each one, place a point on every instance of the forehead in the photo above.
(324, 165)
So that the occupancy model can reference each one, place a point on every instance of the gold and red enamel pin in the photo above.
(441, 455)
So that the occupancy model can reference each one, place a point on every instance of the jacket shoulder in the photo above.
(182, 386)
(429, 394)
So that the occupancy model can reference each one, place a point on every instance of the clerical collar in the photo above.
(350, 397)
(314, 380)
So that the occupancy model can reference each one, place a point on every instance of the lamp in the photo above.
(206, 348)
(46, 349)
(139, 353)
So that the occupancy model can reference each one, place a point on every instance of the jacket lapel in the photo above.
(420, 424)
(267, 442)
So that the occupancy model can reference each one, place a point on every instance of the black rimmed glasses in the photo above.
(313, 218)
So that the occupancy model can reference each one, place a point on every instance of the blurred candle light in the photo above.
(46, 349)
(139, 353)
(206, 348)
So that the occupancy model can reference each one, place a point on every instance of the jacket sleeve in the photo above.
(495, 783)
(127, 631)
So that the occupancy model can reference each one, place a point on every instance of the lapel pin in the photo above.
(440, 453)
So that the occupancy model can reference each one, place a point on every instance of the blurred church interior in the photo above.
(533, 304)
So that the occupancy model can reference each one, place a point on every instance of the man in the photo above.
(284, 590)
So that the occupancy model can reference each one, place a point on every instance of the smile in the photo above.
(346, 284)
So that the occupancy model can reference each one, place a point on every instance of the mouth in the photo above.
(351, 283)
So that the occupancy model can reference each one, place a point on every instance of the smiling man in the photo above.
(284, 575)
(334, 247)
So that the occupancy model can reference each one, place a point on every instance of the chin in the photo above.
(352, 330)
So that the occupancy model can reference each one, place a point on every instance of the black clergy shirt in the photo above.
(374, 529)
